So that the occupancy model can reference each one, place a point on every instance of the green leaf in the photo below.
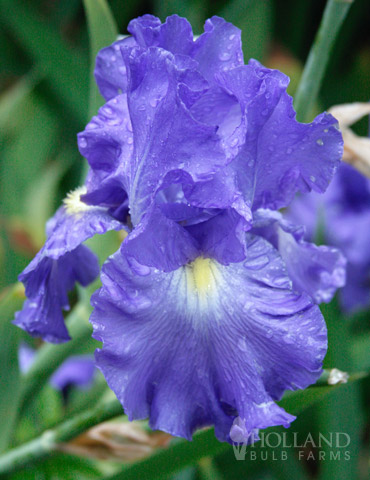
(66, 68)
(102, 32)
(49, 357)
(60, 467)
(254, 18)
(26, 153)
(38, 204)
(11, 100)
(341, 412)
(360, 351)
(46, 410)
(297, 402)
(80, 400)
(11, 300)
(313, 73)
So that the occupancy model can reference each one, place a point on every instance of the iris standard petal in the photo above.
(174, 35)
(107, 143)
(218, 49)
(280, 156)
(166, 136)
(110, 69)
(205, 343)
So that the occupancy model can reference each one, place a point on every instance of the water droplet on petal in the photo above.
(107, 110)
(269, 333)
(224, 56)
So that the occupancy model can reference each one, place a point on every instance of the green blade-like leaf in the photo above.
(60, 467)
(254, 18)
(341, 412)
(49, 357)
(11, 300)
(38, 204)
(67, 68)
(11, 100)
(102, 32)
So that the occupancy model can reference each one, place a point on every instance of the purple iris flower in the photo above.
(343, 215)
(78, 370)
(207, 313)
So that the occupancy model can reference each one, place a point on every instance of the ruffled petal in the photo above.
(279, 156)
(175, 35)
(110, 69)
(218, 49)
(107, 143)
(47, 282)
(206, 343)
(61, 263)
(69, 228)
(217, 107)
(317, 270)
(166, 136)
(307, 155)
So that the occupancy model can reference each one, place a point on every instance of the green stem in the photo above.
(48, 442)
(309, 86)
(50, 356)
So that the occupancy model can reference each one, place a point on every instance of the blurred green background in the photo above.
(45, 76)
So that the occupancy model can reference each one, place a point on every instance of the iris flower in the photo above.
(207, 313)
(78, 370)
(343, 216)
